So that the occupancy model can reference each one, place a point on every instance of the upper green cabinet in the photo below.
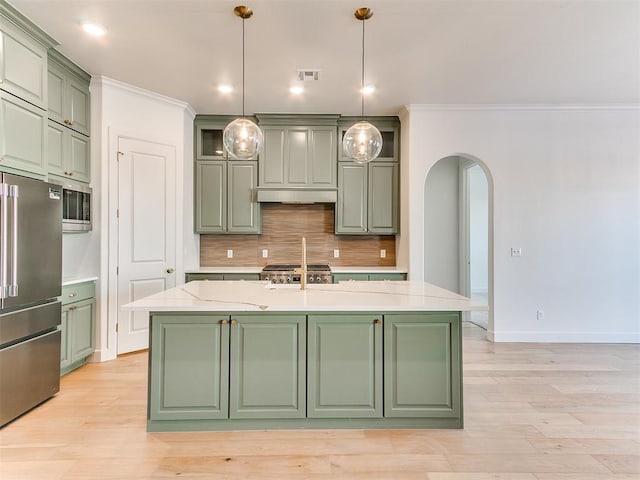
(23, 57)
(368, 198)
(225, 190)
(23, 136)
(368, 194)
(225, 197)
(69, 98)
(299, 151)
(68, 153)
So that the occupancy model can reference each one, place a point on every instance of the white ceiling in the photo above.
(417, 52)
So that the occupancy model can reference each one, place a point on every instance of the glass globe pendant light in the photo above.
(242, 138)
(362, 142)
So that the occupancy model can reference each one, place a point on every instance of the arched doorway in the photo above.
(458, 231)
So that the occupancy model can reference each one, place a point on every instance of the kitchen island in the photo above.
(250, 355)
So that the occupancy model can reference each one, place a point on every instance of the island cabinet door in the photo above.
(345, 366)
(422, 365)
(268, 366)
(189, 376)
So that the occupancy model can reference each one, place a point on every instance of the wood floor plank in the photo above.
(532, 412)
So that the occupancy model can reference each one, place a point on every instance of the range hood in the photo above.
(297, 195)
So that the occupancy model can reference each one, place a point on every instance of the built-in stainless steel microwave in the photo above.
(76, 208)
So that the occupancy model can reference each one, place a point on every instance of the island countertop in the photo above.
(260, 296)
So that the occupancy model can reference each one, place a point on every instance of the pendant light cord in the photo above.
(362, 80)
(243, 67)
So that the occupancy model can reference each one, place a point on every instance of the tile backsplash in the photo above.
(283, 226)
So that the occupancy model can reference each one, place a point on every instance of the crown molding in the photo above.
(517, 107)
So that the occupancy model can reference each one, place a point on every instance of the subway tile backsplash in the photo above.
(283, 226)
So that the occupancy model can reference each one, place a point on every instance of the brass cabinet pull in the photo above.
(224, 322)
(234, 322)
(377, 321)
(72, 294)
(73, 308)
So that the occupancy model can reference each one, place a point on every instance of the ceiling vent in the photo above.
(309, 75)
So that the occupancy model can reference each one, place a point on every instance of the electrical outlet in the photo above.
(540, 314)
(265, 253)
(383, 253)
(336, 253)
(229, 253)
(516, 252)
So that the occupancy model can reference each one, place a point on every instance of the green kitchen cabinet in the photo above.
(344, 375)
(77, 325)
(368, 198)
(268, 366)
(23, 136)
(189, 277)
(299, 151)
(225, 197)
(23, 57)
(341, 277)
(389, 128)
(189, 374)
(422, 365)
(68, 154)
(68, 91)
(208, 131)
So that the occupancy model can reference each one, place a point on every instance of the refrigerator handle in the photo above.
(4, 194)
(12, 290)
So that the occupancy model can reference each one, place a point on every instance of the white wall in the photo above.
(441, 225)
(126, 110)
(566, 190)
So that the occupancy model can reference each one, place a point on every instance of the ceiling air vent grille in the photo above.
(309, 75)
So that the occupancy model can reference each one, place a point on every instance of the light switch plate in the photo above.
(336, 253)
(265, 253)
(383, 253)
(229, 253)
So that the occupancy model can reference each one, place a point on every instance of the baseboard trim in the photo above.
(566, 337)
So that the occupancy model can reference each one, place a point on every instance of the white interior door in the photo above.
(146, 232)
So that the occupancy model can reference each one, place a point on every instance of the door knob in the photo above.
(169, 270)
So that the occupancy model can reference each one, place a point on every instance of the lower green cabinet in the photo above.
(190, 368)
(423, 362)
(341, 277)
(268, 366)
(77, 326)
(208, 367)
(189, 277)
(344, 375)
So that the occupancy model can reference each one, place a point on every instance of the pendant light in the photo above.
(242, 138)
(362, 142)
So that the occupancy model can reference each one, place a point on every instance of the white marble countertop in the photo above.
(256, 296)
(74, 281)
(334, 269)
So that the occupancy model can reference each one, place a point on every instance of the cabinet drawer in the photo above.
(77, 292)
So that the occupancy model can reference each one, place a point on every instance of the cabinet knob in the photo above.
(234, 322)
(169, 270)
(72, 294)
(377, 321)
(73, 308)
(224, 322)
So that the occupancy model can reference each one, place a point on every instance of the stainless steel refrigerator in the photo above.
(30, 284)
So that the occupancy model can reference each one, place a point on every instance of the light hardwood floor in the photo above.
(532, 412)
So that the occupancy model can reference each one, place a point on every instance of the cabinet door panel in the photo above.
(345, 366)
(82, 325)
(351, 209)
(272, 157)
(23, 66)
(322, 164)
(298, 155)
(422, 365)
(268, 358)
(211, 195)
(23, 131)
(79, 104)
(55, 148)
(65, 357)
(56, 93)
(189, 367)
(383, 195)
(243, 210)
(79, 156)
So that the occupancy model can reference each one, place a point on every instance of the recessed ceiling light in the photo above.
(297, 89)
(225, 88)
(368, 90)
(93, 29)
